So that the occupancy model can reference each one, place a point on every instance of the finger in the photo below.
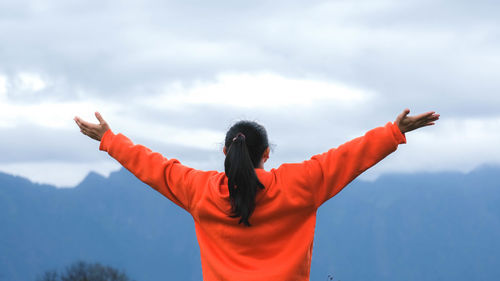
(99, 117)
(434, 117)
(83, 126)
(424, 115)
(86, 124)
(402, 115)
(79, 123)
(430, 118)
(405, 113)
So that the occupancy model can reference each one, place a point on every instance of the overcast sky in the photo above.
(174, 75)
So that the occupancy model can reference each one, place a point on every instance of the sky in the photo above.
(174, 75)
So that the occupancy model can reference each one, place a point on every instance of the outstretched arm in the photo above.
(167, 176)
(326, 174)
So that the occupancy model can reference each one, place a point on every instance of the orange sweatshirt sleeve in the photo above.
(167, 176)
(326, 174)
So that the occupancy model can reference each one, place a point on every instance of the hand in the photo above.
(409, 123)
(95, 131)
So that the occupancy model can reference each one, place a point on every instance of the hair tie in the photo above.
(237, 135)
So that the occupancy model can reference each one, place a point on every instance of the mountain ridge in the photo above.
(423, 226)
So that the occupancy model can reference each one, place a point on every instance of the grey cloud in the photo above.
(117, 49)
(426, 55)
(440, 13)
(27, 143)
(293, 131)
(31, 144)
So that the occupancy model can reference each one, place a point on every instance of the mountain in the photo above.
(117, 221)
(442, 226)
(427, 226)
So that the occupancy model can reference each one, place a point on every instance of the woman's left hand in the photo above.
(95, 131)
(409, 123)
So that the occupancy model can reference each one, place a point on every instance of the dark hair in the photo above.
(245, 144)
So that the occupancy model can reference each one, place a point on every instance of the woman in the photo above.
(253, 224)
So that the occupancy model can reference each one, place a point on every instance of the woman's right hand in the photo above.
(409, 123)
(95, 131)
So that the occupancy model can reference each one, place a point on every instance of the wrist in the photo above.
(402, 130)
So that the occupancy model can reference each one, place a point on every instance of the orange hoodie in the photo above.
(278, 245)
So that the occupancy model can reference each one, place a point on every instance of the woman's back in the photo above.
(278, 245)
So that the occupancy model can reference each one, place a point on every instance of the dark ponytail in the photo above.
(245, 144)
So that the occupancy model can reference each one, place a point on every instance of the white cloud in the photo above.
(50, 114)
(166, 133)
(261, 90)
(31, 82)
(450, 145)
(3, 87)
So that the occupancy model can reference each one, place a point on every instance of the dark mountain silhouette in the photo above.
(427, 226)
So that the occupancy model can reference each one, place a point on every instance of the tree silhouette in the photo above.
(49, 275)
(82, 271)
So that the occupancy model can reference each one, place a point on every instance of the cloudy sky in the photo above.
(174, 75)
